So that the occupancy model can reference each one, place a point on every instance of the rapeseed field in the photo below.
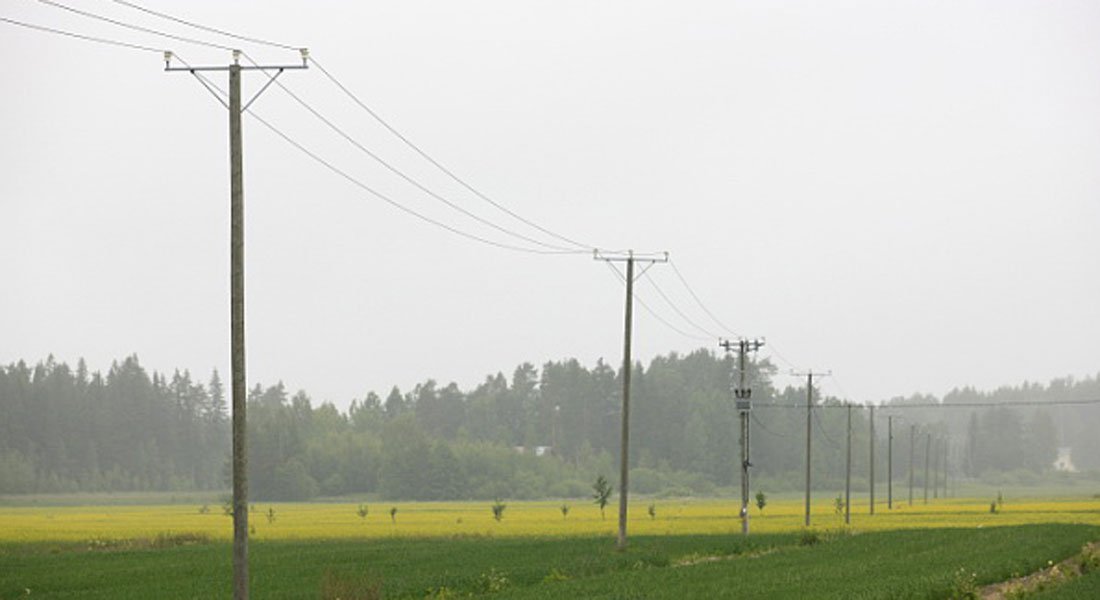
(333, 521)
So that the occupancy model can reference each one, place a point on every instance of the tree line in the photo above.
(543, 432)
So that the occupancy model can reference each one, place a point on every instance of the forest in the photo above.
(543, 432)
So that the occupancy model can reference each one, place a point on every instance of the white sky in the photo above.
(906, 193)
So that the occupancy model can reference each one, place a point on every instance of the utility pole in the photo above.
(871, 420)
(809, 428)
(912, 449)
(743, 395)
(848, 474)
(927, 455)
(889, 462)
(946, 449)
(236, 299)
(936, 470)
(624, 448)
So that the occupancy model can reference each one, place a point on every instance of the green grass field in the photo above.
(692, 549)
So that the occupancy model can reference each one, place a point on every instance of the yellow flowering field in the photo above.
(471, 519)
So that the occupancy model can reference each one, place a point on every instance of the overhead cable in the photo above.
(134, 27)
(699, 301)
(376, 116)
(381, 196)
(408, 179)
(81, 36)
(204, 27)
(651, 312)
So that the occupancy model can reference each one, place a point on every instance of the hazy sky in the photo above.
(906, 193)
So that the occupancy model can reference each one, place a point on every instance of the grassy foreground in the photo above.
(687, 549)
(887, 564)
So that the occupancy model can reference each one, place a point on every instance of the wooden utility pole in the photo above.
(743, 401)
(871, 420)
(912, 449)
(946, 449)
(936, 470)
(809, 428)
(848, 474)
(927, 456)
(236, 302)
(624, 447)
(889, 462)
(236, 298)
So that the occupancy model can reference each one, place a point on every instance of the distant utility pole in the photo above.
(624, 457)
(871, 420)
(912, 449)
(848, 474)
(743, 395)
(936, 470)
(889, 462)
(809, 427)
(927, 456)
(236, 302)
(946, 448)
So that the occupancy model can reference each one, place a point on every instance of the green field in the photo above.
(449, 550)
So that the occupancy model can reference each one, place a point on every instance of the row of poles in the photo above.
(742, 391)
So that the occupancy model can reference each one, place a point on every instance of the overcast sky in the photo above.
(906, 193)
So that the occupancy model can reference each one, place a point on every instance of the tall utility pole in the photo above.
(236, 297)
(624, 448)
(809, 428)
(927, 456)
(743, 395)
(889, 462)
(848, 474)
(871, 420)
(912, 449)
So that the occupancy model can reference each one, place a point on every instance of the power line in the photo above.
(948, 405)
(440, 166)
(652, 313)
(204, 27)
(698, 301)
(676, 309)
(408, 179)
(134, 27)
(385, 198)
(81, 36)
(375, 115)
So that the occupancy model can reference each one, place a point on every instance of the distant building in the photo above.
(536, 450)
(1064, 462)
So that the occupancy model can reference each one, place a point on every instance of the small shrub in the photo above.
(393, 514)
(652, 510)
(362, 511)
(271, 515)
(809, 537)
(492, 582)
(601, 493)
(498, 509)
(564, 510)
(761, 501)
(838, 504)
(204, 509)
(964, 585)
